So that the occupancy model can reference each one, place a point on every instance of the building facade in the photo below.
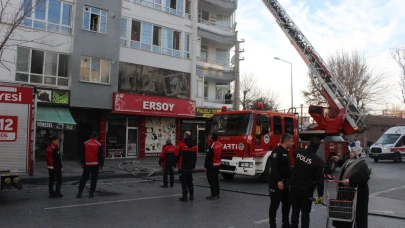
(136, 71)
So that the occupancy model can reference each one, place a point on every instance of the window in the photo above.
(157, 39)
(148, 3)
(94, 20)
(278, 126)
(222, 56)
(203, 17)
(50, 15)
(176, 44)
(167, 41)
(187, 15)
(136, 34)
(186, 46)
(95, 70)
(205, 89)
(222, 21)
(221, 91)
(174, 7)
(35, 66)
(146, 35)
(123, 36)
(204, 53)
(289, 125)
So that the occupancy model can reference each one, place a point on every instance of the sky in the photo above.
(371, 27)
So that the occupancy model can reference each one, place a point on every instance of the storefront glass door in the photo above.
(201, 140)
(132, 142)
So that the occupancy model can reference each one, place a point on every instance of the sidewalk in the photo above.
(113, 168)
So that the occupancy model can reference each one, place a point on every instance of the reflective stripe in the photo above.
(91, 163)
(217, 164)
(50, 167)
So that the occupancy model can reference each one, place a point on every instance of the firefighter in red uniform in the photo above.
(211, 166)
(187, 158)
(92, 161)
(168, 162)
(55, 168)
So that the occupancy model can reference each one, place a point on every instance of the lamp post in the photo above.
(292, 105)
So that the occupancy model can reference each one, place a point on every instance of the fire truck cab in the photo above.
(249, 137)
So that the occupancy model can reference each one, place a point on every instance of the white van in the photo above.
(390, 146)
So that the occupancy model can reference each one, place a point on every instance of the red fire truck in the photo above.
(16, 134)
(249, 136)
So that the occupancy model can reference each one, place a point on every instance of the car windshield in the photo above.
(231, 125)
(388, 139)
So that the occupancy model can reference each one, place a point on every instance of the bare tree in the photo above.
(249, 90)
(363, 84)
(398, 54)
(313, 94)
(269, 100)
(12, 34)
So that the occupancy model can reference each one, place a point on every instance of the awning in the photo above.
(55, 118)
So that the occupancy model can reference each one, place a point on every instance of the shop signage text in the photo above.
(150, 105)
(206, 112)
(51, 125)
(21, 95)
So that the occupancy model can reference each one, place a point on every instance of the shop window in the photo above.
(158, 130)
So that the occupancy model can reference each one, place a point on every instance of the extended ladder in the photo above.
(324, 78)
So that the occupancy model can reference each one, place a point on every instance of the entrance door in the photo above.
(132, 142)
(201, 140)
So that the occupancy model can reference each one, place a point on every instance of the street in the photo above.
(136, 202)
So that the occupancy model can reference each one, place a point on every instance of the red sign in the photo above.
(8, 128)
(20, 95)
(155, 106)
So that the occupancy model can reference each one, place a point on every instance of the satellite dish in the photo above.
(233, 60)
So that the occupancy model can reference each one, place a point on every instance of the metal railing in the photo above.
(214, 24)
(212, 61)
(218, 101)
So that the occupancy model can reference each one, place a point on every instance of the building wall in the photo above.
(105, 46)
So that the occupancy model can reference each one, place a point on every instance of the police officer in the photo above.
(55, 168)
(308, 169)
(92, 161)
(211, 166)
(168, 162)
(278, 181)
(187, 158)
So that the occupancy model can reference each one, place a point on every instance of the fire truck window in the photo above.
(289, 125)
(278, 126)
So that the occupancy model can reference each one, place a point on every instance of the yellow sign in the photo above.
(206, 112)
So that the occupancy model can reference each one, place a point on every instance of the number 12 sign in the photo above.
(8, 128)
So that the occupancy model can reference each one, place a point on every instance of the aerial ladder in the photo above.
(342, 115)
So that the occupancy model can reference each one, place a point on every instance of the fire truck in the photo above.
(249, 136)
(16, 134)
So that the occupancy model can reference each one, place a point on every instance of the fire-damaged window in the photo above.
(278, 125)
(289, 125)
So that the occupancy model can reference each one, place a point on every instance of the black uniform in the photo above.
(280, 171)
(307, 171)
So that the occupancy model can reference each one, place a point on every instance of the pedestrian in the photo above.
(92, 162)
(211, 166)
(55, 167)
(228, 97)
(187, 158)
(355, 174)
(168, 162)
(308, 169)
(279, 181)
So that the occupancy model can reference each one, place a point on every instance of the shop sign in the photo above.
(19, 95)
(52, 125)
(154, 106)
(56, 97)
(206, 112)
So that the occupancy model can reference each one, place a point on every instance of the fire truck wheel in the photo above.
(397, 157)
(376, 159)
(264, 177)
(331, 166)
(227, 176)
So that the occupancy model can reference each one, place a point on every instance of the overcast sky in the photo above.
(372, 27)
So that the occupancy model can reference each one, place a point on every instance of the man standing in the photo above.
(211, 166)
(228, 97)
(279, 181)
(308, 169)
(55, 168)
(92, 161)
(168, 162)
(187, 158)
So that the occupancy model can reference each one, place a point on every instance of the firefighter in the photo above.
(308, 169)
(55, 167)
(211, 166)
(279, 180)
(187, 158)
(168, 162)
(92, 162)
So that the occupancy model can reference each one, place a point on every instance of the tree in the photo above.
(398, 54)
(269, 100)
(11, 33)
(363, 84)
(248, 89)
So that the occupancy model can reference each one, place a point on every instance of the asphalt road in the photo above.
(134, 202)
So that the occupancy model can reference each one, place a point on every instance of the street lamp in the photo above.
(292, 106)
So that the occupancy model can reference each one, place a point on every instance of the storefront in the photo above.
(52, 117)
(140, 125)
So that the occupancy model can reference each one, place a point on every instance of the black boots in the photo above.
(91, 195)
(79, 194)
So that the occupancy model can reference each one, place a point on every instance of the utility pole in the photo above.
(236, 104)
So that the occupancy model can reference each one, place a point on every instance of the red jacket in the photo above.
(187, 154)
(168, 156)
(53, 159)
(213, 156)
(93, 154)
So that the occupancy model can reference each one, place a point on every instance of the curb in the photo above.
(36, 180)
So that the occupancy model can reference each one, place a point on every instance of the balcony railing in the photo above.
(217, 25)
(215, 62)
(161, 7)
(218, 101)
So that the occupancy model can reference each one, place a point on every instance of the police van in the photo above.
(390, 146)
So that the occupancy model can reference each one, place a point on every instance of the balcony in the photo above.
(217, 28)
(214, 62)
(217, 71)
(216, 103)
(221, 5)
